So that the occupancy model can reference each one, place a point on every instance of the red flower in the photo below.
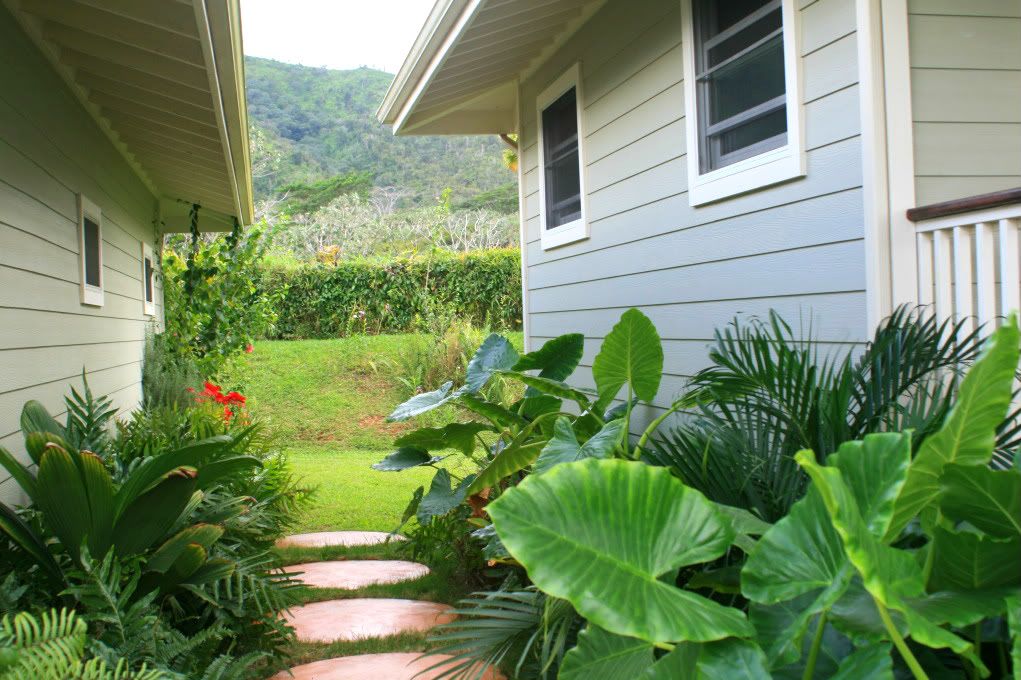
(249, 349)
(235, 398)
(211, 389)
(227, 414)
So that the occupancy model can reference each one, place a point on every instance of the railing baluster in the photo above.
(985, 271)
(964, 279)
(1010, 280)
(942, 266)
(925, 268)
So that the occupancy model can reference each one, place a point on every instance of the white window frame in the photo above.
(771, 167)
(578, 229)
(148, 306)
(90, 295)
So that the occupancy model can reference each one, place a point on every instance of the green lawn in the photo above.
(327, 401)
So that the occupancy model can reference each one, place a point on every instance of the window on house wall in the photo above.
(561, 161)
(148, 281)
(742, 96)
(90, 243)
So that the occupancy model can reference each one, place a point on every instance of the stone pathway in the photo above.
(322, 539)
(357, 619)
(372, 666)
(360, 618)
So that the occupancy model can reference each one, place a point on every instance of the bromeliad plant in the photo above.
(888, 563)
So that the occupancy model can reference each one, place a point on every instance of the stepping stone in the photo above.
(353, 574)
(322, 539)
(361, 618)
(373, 667)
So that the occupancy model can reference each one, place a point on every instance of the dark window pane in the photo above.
(91, 233)
(148, 280)
(560, 157)
(726, 13)
(754, 132)
(747, 82)
(741, 84)
(742, 40)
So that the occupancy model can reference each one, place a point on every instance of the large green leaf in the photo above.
(495, 413)
(961, 608)
(631, 354)
(892, 577)
(225, 468)
(555, 360)
(875, 470)
(679, 663)
(153, 470)
(495, 353)
(442, 498)
(564, 446)
(783, 628)
(20, 473)
(35, 418)
(963, 560)
(99, 488)
(405, 458)
(167, 554)
(873, 662)
(730, 659)
(600, 533)
(968, 435)
(746, 525)
(514, 458)
(1014, 624)
(987, 499)
(600, 654)
(459, 436)
(22, 536)
(421, 403)
(63, 500)
(801, 554)
(154, 513)
(553, 388)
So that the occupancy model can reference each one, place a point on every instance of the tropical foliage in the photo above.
(896, 555)
(156, 534)
(214, 306)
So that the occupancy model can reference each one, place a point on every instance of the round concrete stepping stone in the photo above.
(373, 667)
(322, 539)
(353, 574)
(361, 618)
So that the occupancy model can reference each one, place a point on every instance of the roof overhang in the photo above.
(164, 79)
(462, 72)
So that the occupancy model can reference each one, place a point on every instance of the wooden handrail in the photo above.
(963, 205)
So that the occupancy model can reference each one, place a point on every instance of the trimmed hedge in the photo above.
(399, 295)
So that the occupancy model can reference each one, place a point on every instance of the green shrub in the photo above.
(396, 296)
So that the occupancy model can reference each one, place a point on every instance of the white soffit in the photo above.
(461, 75)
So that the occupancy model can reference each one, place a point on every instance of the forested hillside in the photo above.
(321, 123)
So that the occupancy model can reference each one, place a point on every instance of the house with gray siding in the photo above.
(710, 159)
(116, 118)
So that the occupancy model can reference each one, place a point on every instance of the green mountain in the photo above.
(320, 123)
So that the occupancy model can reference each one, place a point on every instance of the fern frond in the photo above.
(47, 646)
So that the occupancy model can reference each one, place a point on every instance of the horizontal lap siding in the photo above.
(50, 150)
(796, 247)
(966, 96)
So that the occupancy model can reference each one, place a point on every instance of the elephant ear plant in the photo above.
(889, 564)
(553, 423)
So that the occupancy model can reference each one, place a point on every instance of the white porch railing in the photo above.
(969, 257)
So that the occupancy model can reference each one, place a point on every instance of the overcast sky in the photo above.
(340, 34)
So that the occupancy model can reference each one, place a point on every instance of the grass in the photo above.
(327, 402)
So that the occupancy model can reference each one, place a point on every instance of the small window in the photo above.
(148, 282)
(561, 161)
(90, 243)
(742, 91)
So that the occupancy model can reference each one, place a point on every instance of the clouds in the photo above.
(339, 34)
